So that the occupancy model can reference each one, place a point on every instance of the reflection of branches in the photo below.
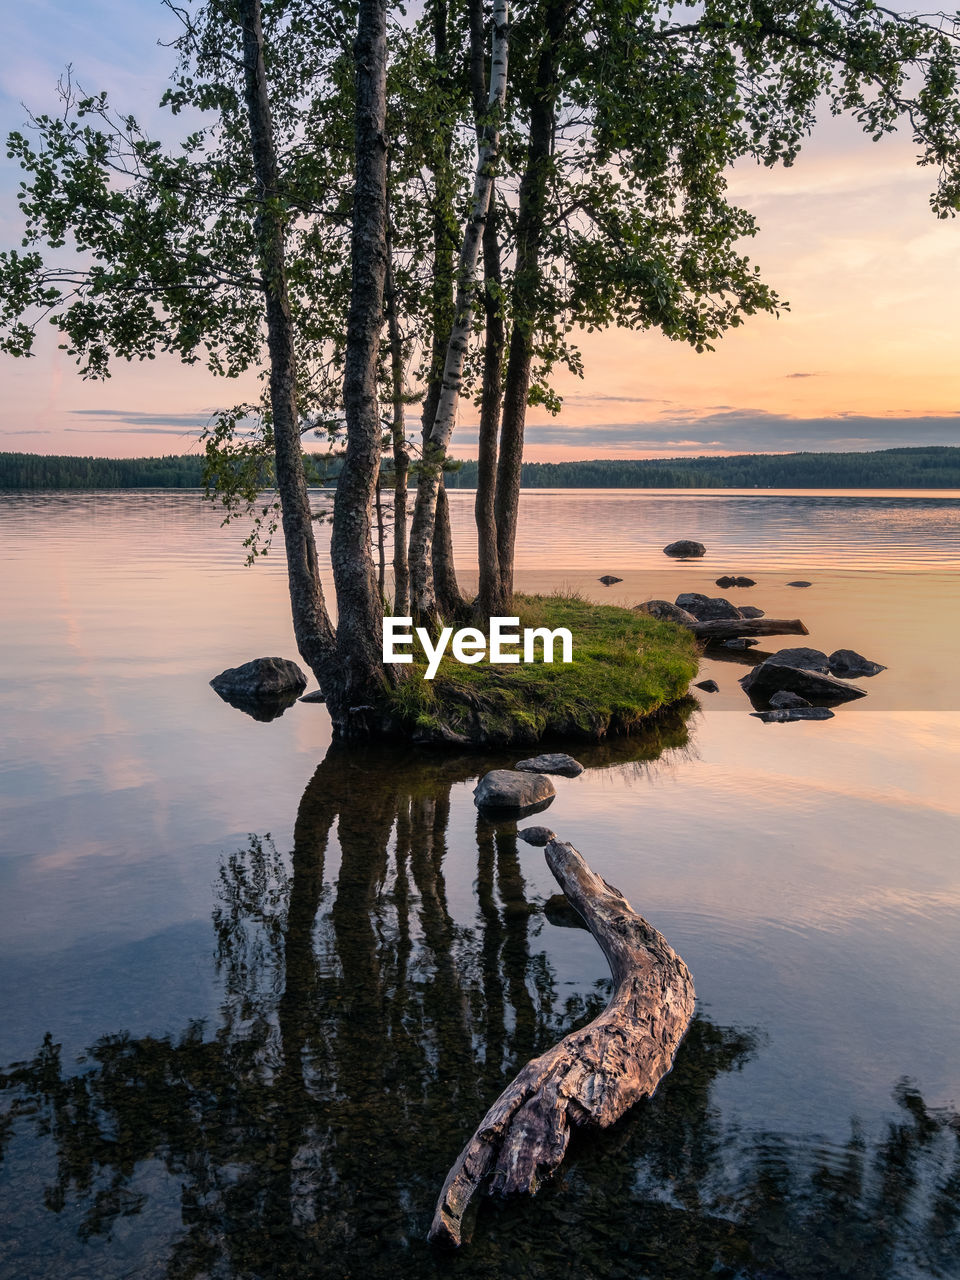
(363, 1029)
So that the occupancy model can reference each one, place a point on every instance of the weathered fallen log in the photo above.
(730, 628)
(593, 1075)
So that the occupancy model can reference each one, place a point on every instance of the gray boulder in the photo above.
(788, 715)
(666, 612)
(847, 662)
(706, 608)
(805, 659)
(685, 547)
(750, 611)
(770, 677)
(708, 686)
(512, 792)
(608, 579)
(316, 696)
(784, 700)
(538, 836)
(556, 762)
(261, 678)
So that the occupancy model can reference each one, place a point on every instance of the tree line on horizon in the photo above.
(916, 467)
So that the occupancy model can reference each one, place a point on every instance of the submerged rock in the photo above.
(750, 611)
(785, 699)
(608, 579)
(788, 714)
(556, 762)
(707, 608)
(732, 580)
(708, 686)
(847, 662)
(512, 791)
(559, 911)
(799, 584)
(685, 547)
(771, 677)
(316, 696)
(539, 836)
(740, 643)
(667, 612)
(261, 678)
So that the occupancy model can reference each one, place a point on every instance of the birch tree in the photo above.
(423, 596)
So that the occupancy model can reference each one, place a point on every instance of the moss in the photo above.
(626, 666)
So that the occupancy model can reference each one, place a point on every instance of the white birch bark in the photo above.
(435, 449)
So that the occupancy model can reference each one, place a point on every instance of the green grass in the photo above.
(626, 666)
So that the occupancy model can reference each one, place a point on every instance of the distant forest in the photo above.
(925, 467)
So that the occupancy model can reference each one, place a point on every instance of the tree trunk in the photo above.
(451, 602)
(491, 601)
(592, 1076)
(401, 458)
(311, 622)
(526, 285)
(360, 671)
(435, 448)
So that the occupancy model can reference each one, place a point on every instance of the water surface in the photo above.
(261, 989)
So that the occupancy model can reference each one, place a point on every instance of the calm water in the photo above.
(256, 992)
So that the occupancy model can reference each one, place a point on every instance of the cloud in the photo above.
(582, 397)
(801, 375)
(136, 419)
(753, 431)
(37, 431)
(124, 431)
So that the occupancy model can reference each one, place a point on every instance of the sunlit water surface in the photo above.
(256, 992)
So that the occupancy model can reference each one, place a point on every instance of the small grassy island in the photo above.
(626, 667)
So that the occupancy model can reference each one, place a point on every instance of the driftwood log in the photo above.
(731, 628)
(593, 1075)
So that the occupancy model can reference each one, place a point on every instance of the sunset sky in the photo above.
(866, 358)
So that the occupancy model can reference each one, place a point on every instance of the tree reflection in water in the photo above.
(364, 1031)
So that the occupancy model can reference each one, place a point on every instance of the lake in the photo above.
(258, 990)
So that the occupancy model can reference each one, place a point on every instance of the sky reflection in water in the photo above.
(287, 1035)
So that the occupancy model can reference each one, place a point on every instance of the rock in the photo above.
(847, 662)
(666, 612)
(608, 579)
(261, 678)
(510, 791)
(805, 659)
(557, 762)
(784, 699)
(739, 642)
(744, 582)
(789, 714)
(730, 580)
(539, 836)
(750, 611)
(771, 677)
(685, 547)
(263, 688)
(708, 686)
(706, 608)
(316, 696)
(799, 584)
